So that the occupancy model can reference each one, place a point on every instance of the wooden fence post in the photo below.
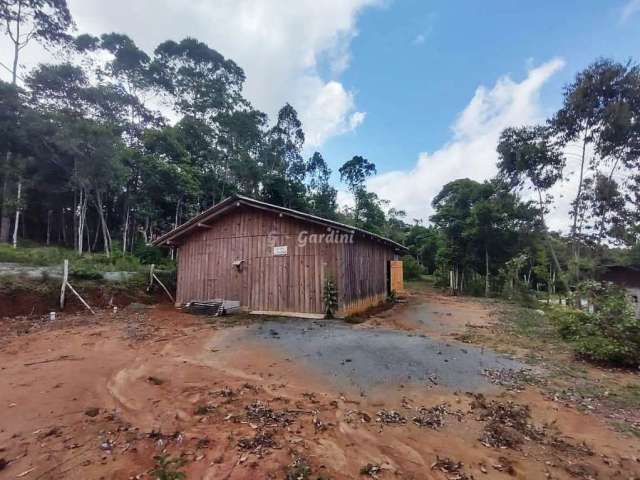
(65, 284)
(65, 277)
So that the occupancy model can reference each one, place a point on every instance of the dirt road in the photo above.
(246, 398)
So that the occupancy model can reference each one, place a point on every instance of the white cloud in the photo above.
(629, 9)
(471, 152)
(282, 46)
(419, 39)
(330, 111)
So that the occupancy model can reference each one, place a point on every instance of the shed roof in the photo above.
(237, 200)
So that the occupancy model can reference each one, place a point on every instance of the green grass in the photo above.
(626, 428)
(627, 396)
(85, 266)
(532, 323)
(13, 285)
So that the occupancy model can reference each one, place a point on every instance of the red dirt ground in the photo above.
(98, 397)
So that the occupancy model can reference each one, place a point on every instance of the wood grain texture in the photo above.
(288, 283)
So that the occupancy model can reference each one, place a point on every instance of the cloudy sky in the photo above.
(420, 87)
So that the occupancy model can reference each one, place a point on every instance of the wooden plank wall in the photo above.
(291, 283)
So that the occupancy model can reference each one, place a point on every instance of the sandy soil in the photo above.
(98, 397)
(434, 313)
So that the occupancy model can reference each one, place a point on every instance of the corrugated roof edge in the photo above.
(227, 202)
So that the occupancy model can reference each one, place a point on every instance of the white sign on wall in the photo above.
(280, 251)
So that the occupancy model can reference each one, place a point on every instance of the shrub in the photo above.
(149, 255)
(168, 468)
(85, 272)
(570, 322)
(475, 287)
(330, 297)
(412, 270)
(610, 334)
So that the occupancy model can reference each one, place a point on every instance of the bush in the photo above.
(149, 255)
(85, 272)
(412, 270)
(611, 334)
(570, 322)
(330, 297)
(475, 287)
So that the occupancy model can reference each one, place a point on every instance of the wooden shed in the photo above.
(275, 260)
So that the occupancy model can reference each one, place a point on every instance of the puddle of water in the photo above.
(368, 358)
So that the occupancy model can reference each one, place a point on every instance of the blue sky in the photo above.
(416, 64)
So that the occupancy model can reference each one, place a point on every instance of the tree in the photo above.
(199, 81)
(600, 108)
(356, 171)
(424, 244)
(43, 21)
(481, 223)
(240, 141)
(168, 181)
(127, 74)
(322, 195)
(283, 167)
(606, 205)
(369, 211)
(21, 129)
(91, 122)
(528, 157)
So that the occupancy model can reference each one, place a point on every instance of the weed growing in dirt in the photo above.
(168, 468)
(298, 470)
(371, 470)
(449, 466)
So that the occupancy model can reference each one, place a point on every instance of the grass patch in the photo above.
(168, 468)
(627, 396)
(14, 285)
(626, 428)
(89, 265)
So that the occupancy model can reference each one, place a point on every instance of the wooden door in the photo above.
(397, 283)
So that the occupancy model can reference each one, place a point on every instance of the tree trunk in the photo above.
(87, 230)
(550, 245)
(5, 220)
(106, 236)
(16, 45)
(486, 276)
(576, 210)
(63, 228)
(82, 216)
(178, 208)
(49, 215)
(125, 230)
(145, 232)
(96, 236)
(17, 220)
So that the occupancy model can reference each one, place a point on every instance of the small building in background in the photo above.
(274, 260)
(627, 276)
